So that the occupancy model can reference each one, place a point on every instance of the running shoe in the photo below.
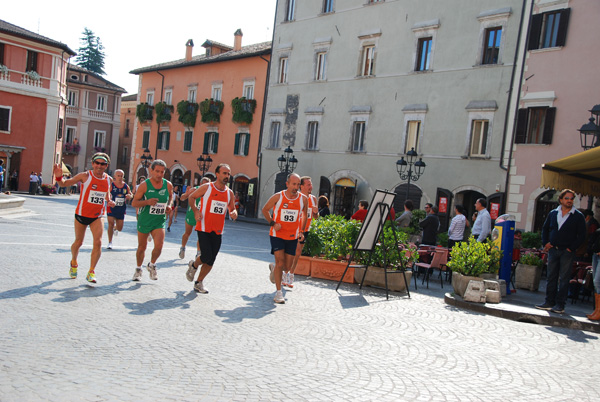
(182, 252)
(272, 274)
(91, 277)
(109, 246)
(279, 297)
(191, 272)
(169, 229)
(137, 276)
(152, 270)
(290, 280)
(284, 279)
(115, 232)
(73, 271)
(199, 287)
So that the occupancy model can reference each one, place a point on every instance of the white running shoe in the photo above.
(115, 232)
(284, 278)
(290, 281)
(182, 252)
(272, 274)
(199, 287)
(152, 270)
(109, 246)
(137, 276)
(191, 272)
(279, 297)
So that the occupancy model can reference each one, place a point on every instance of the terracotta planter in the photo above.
(331, 270)
(376, 277)
(303, 266)
(528, 277)
(460, 282)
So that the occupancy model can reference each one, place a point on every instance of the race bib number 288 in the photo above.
(159, 209)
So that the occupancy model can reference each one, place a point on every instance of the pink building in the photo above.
(558, 88)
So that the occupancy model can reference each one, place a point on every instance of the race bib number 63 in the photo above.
(218, 207)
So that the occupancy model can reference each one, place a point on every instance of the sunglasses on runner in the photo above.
(100, 163)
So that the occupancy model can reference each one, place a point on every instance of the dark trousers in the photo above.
(560, 265)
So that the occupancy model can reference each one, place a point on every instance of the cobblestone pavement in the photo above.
(63, 340)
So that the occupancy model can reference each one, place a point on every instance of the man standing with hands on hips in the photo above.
(562, 234)
(288, 206)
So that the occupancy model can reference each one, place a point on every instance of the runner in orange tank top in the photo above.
(288, 207)
(216, 199)
(95, 191)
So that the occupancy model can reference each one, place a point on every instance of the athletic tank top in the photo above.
(287, 212)
(92, 197)
(155, 215)
(214, 205)
(118, 196)
(312, 202)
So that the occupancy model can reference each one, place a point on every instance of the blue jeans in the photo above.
(596, 271)
(560, 266)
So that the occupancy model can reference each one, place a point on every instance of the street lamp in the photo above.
(405, 168)
(146, 158)
(204, 161)
(590, 132)
(287, 163)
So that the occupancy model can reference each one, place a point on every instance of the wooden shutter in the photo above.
(549, 125)
(521, 134)
(535, 30)
(561, 37)
(216, 143)
(247, 145)
(168, 140)
(4, 118)
(206, 138)
(236, 146)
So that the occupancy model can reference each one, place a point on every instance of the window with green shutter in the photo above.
(187, 141)
(211, 142)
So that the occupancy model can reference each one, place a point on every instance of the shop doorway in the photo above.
(467, 199)
(545, 203)
(240, 190)
(345, 193)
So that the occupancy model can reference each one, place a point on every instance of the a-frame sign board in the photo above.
(370, 233)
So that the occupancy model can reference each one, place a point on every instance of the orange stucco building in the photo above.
(208, 83)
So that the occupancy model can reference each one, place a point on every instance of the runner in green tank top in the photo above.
(153, 198)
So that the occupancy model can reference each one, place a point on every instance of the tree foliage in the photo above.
(91, 53)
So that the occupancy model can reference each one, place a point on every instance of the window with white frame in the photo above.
(192, 94)
(425, 34)
(211, 142)
(368, 61)
(290, 10)
(99, 139)
(479, 137)
(164, 138)
(248, 90)
(5, 114)
(217, 89)
(242, 144)
(283, 70)
(327, 6)
(169, 96)
(358, 136)
(101, 103)
(412, 135)
(479, 130)
(187, 141)
(73, 97)
(274, 134)
(321, 66)
(312, 136)
(150, 98)
(70, 134)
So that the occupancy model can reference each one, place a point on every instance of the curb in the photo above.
(541, 317)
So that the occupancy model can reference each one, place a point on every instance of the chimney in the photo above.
(188, 50)
(237, 40)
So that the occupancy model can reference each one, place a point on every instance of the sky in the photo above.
(136, 35)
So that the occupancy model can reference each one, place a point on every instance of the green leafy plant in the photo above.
(529, 258)
(163, 112)
(332, 237)
(211, 110)
(394, 252)
(531, 240)
(473, 258)
(143, 112)
(188, 112)
(243, 110)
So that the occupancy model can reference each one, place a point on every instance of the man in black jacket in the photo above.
(563, 232)
(430, 225)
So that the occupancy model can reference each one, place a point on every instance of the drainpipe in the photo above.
(506, 118)
(162, 85)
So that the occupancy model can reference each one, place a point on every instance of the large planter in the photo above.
(460, 282)
(376, 277)
(303, 266)
(331, 270)
(528, 277)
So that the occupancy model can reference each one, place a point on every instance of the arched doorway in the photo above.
(176, 177)
(415, 194)
(345, 192)
(545, 203)
(240, 189)
(467, 199)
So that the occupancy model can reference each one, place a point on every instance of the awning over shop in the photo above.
(579, 172)
(345, 182)
(65, 169)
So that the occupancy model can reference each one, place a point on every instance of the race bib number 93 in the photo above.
(289, 215)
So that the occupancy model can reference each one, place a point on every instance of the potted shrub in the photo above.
(529, 271)
(531, 240)
(48, 189)
(471, 259)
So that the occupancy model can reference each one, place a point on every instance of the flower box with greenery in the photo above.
(163, 112)
(188, 112)
(211, 110)
(243, 110)
(71, 149)
(99, 149)
(529, 271)
(3, 69)
(34, 76)
(143, 112)
(469, 260)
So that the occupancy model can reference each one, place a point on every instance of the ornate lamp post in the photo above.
(590, 132)
(204, 161)
(287, 163)
(405, 168)
(146, 158)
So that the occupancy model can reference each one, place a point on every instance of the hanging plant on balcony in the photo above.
(211, 110)
(3, 69)
(143, 112)
(34, 76)
(187, 111)
(243, 110)
(71, 148)
(163, 112)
